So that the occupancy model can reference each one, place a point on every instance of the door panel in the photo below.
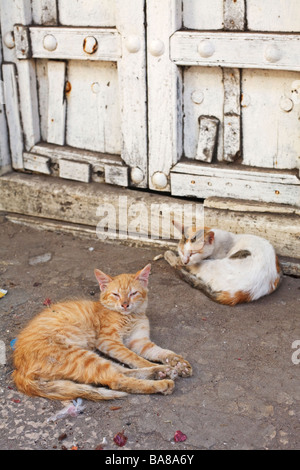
(202, 96)
(270, 15)
(213, 14)
(94, 89)
(203, 14)
(98, 13)
(236, 102)
(82, 86)
(270, 112)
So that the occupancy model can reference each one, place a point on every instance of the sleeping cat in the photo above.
(228, 268)
(55, 354)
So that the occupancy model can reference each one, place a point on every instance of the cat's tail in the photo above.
(63, 389)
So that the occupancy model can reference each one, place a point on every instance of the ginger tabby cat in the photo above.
(55, 355)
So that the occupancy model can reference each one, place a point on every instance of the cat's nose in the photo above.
(186, 259)
(125, 305)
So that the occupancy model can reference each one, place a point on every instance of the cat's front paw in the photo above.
(182, 366)
(172, 259)
(167, 372)
(165, 387)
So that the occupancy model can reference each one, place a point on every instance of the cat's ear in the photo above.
(143, 275)
(102, 278)
(209, 237)
(178, 225)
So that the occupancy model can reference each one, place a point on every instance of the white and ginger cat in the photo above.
(228, 268)
(55, 354)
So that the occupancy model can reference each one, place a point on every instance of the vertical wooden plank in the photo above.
(56, 102)
(130, 21)
(5, 162)
(44, 12)
(234, 20)
(13, 115)
(19, 12)
(28, 102)
(43, 94)
(234, 15)
(208, 138)
(232, 115)
(164, 92)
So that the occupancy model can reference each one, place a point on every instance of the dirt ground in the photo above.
(244, 393)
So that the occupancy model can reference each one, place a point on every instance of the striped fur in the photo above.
(56, 353)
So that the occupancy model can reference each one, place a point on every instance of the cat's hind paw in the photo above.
(184, 369)
(182, 366)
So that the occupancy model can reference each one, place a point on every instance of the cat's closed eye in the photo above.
(132, 294)
(116, 294)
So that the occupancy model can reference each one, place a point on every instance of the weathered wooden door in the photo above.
(75, 88)
(224, 98)
(196, 98)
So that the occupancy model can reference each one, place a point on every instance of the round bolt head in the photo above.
(133, 43)
(137, 175)
(9, 40)
(159, 180)
(206, 48)
(272, 53)
(157, 47)
(50, 42)
(197, 96)
(90, 44)
(286, 104)
(95, 87)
